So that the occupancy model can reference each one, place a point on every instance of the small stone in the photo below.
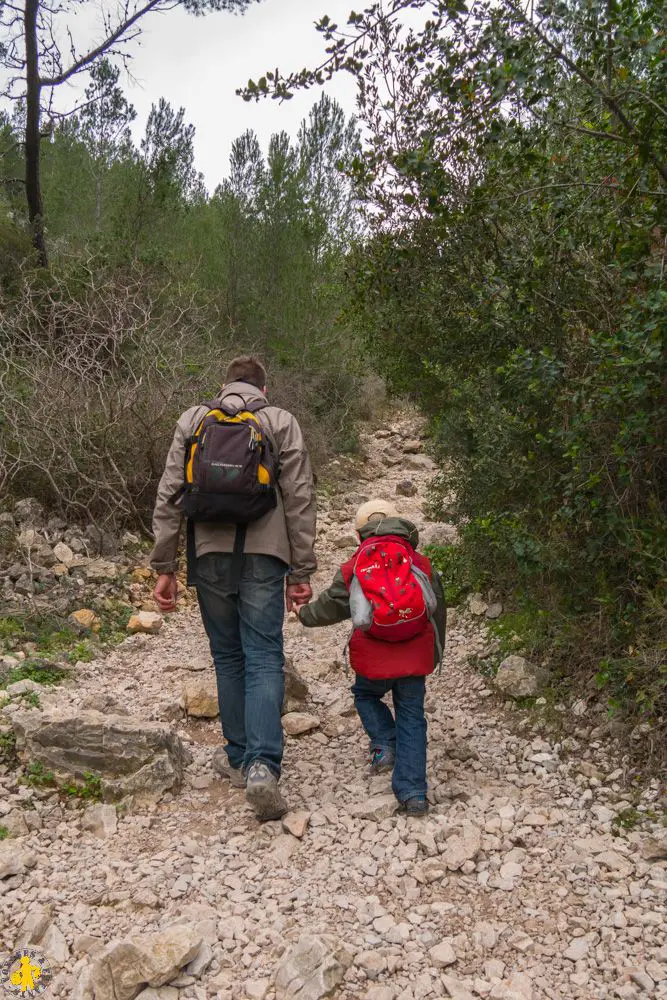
(100, 570)
(298, 723)
(283, 847)
(380, 993)
(455, 989)
(577, 949)
(535, 819)
(127, 964)
(196, 663)
(615, 862)
(100, 820)
(200, 963)
(87, 944)
(85, 618)
(54, 945)
(14, 860)
(372, 962)
(642, 979)
(140, 574)
(63, 553)
(419, 463)
(34, 926)
(463, 847)
(23, 687)
(200, 696)
(149, 622)
(477, 605)
(256, 989)
(654, 848)
(296, 823)
(406, 488)
(377, 808)
(511, 870)
(442, 955)
(311, 969)
(494, 610)
(656, 971)
(518, 677)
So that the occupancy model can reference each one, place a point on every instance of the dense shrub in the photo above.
(154, 286)
(96, 364)
(514, 286)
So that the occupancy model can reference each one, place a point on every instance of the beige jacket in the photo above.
(288, 532)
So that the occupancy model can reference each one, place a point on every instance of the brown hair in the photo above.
(247, 368)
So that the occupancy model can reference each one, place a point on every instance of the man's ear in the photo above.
(264, 391)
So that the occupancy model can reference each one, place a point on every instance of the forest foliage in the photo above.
(514, 284)
(154, 285)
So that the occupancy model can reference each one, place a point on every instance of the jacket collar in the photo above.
(248, 393)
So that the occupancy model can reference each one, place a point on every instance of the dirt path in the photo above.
(514, 887)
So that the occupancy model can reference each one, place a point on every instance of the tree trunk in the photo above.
(33, 187)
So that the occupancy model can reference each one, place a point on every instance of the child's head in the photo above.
(374, 510)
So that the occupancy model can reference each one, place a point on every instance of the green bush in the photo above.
(514, 287)
(89, 791)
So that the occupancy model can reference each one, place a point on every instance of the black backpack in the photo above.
(230, 475)
(230, 469)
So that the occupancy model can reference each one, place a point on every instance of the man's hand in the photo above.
(166, 590)
(296, 595)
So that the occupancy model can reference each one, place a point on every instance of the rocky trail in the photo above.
(518, 885)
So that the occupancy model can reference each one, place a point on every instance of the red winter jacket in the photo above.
(371, 657)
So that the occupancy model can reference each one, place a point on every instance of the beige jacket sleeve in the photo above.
(167, 518)
(299, 500)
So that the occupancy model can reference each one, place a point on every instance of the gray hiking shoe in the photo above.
(221, 766)
(262, 792)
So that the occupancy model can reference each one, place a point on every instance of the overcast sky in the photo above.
(198, 62)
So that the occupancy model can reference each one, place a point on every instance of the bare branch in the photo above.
(115, 36)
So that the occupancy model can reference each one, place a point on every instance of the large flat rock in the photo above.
(132, 757)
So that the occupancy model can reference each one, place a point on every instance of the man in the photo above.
(242, 603)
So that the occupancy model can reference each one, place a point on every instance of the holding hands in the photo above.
(297, 595)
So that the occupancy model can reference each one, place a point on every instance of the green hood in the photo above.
(392, 526)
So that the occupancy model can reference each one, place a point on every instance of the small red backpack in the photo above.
(390, 597)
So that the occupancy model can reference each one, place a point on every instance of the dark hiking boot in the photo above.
(381, 761)
(221, 766)
(417, 806)
(263, 794)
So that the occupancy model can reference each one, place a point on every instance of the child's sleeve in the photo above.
(331, 607)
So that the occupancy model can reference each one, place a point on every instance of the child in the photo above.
(395, 600)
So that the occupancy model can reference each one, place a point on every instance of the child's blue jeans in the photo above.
(405, 734)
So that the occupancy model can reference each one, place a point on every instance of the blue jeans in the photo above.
(405, 735)
(244, 625)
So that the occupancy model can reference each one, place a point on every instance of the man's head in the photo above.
(247, 368)
(374, 510)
